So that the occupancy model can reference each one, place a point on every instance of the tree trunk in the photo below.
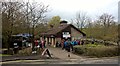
(33, 44)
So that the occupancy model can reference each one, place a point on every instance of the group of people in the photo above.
(40, 43)
(68, 45)
(73, 43)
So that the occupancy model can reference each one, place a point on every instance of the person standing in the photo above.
(43, 43)
(82, 42)
(62, 44)
(78, 41)
(57, 44)
(36, 42)
(68, 46)
(40, 44)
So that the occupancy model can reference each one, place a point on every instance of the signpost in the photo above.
(46, 51)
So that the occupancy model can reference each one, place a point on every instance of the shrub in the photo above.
(25, 52)
(79, 50)
(96, 50)
(28, 51)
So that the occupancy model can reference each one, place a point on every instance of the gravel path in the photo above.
(62, 54)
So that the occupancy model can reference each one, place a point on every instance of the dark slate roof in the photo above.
(55, 30)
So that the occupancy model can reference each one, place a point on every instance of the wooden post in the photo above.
(52, 41)
(55, 42)
(49, 40)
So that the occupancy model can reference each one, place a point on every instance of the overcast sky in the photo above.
(67, 9)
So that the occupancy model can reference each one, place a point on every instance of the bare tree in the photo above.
(81, 19)
(10, 12)
(106, 19)
(105, 24)
(16, 15)
(37, 14)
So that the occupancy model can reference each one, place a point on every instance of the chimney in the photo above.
(63, 23)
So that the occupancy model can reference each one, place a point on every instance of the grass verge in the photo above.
(5, 55)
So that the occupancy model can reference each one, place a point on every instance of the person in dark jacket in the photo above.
(82, 42)
(57, 44)
(68, 46)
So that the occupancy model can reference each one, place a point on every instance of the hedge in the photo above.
(96, 50)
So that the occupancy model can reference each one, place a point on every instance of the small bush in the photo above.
(39, 51)
(96, 50)
(79, 50)
(28, 51)
(25, 52)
